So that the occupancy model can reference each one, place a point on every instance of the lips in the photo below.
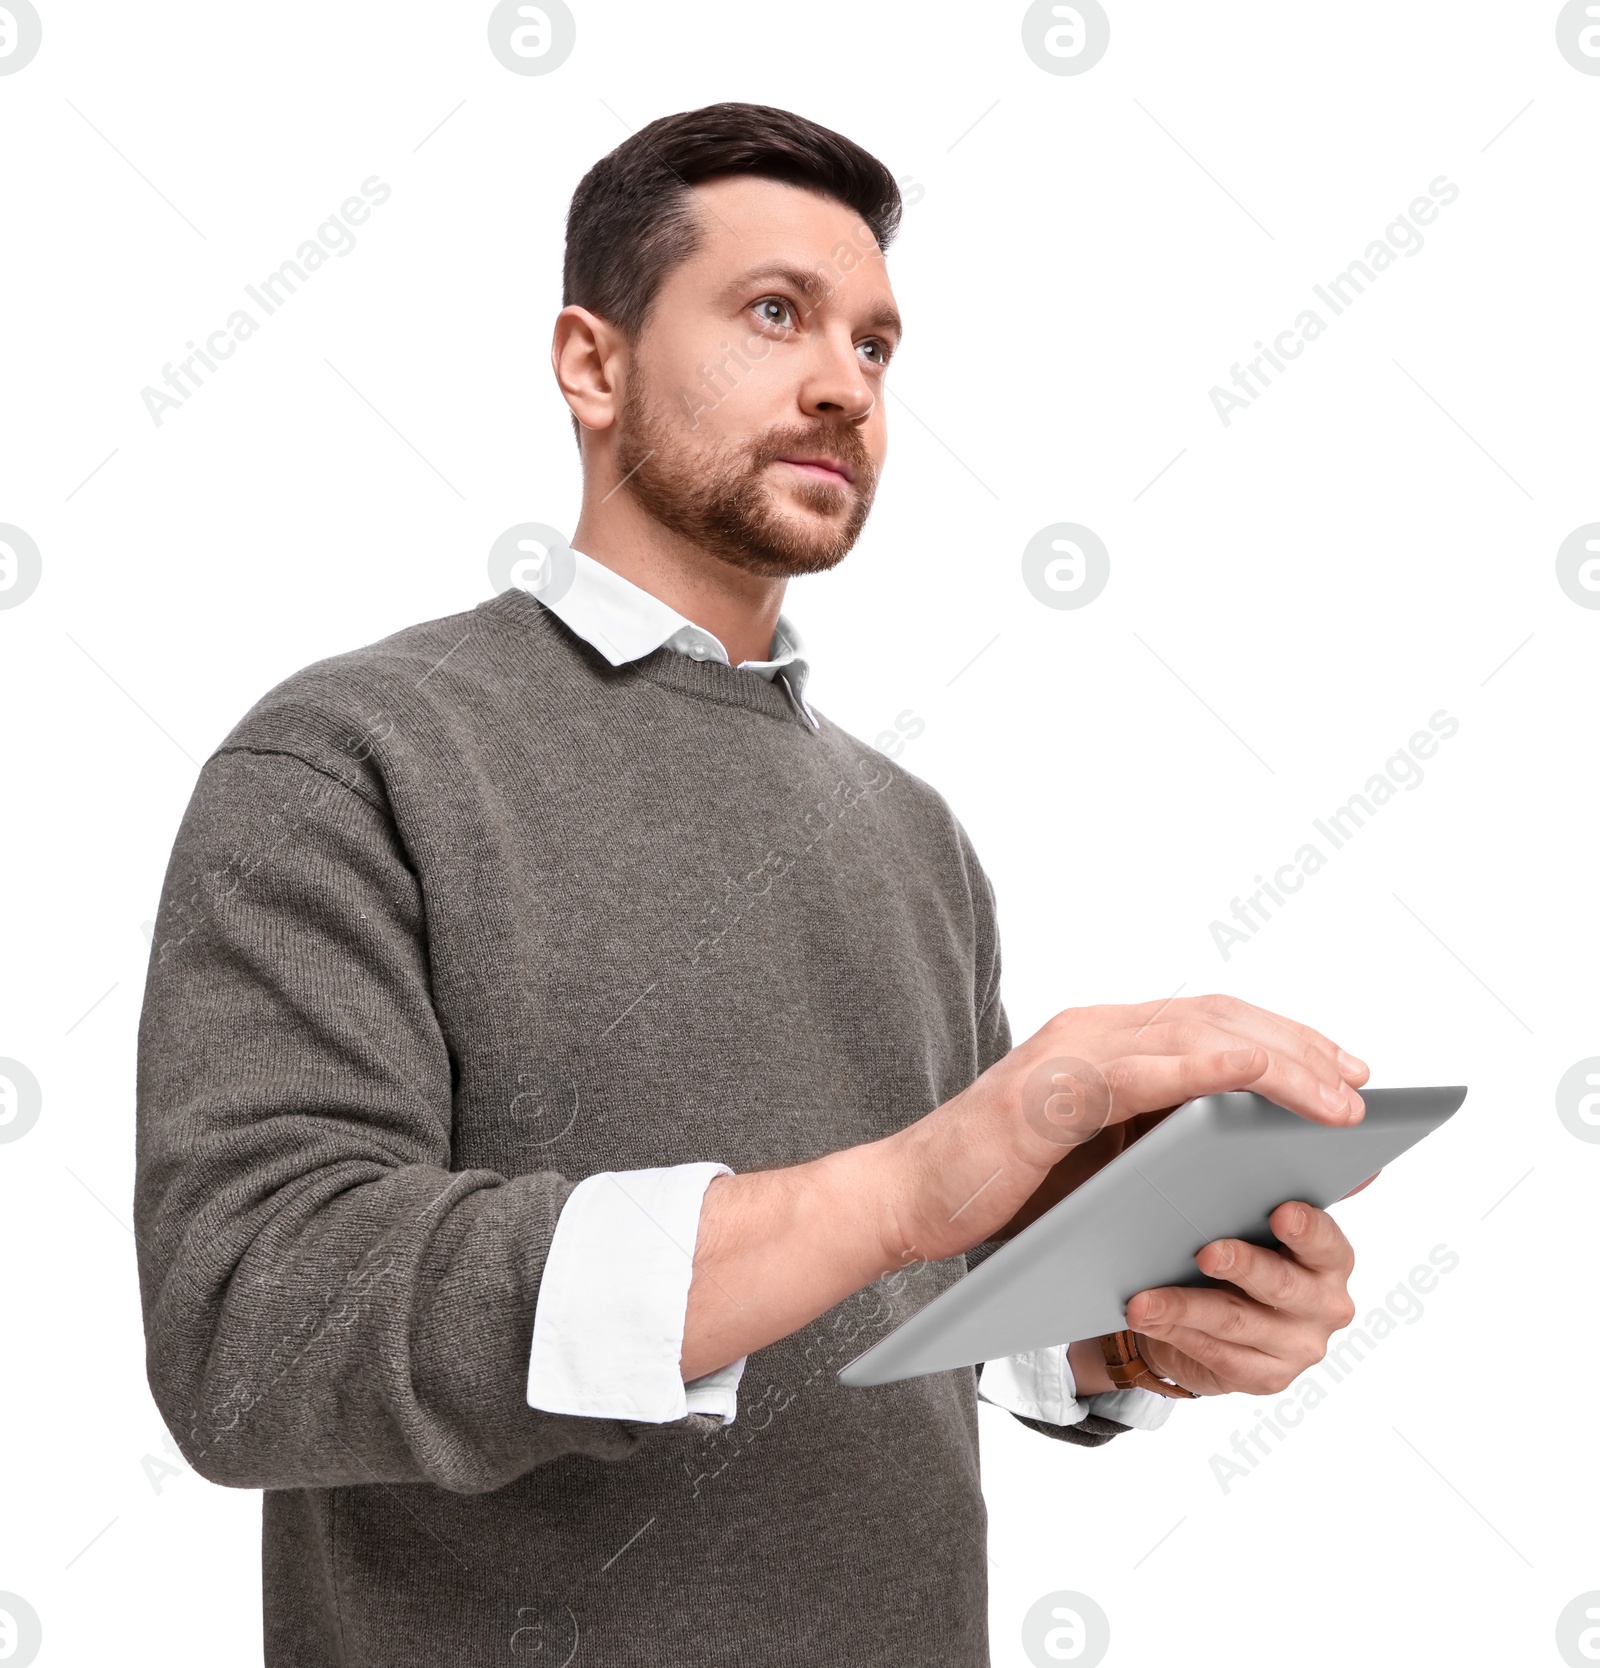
(829, 468)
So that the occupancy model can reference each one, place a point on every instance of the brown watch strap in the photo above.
(1128, 1370)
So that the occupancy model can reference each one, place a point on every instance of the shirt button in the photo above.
(698, 650)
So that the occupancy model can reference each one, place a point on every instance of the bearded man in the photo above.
(564, 1047)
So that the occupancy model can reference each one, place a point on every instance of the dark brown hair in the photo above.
(631, 221)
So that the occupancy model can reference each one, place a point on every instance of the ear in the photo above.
(589, 357)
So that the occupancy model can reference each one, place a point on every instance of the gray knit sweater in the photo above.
(452, 922)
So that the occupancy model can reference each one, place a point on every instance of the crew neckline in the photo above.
(707, 680)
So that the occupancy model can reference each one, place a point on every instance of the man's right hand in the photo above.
(776, 1248)
(1064, 1102)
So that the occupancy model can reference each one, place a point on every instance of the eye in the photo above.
(777, 304)
(885, 352)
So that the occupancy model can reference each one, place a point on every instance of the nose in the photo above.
(835, 385)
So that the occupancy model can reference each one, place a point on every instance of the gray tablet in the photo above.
(1215, 1169)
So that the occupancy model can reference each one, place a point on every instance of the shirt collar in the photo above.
(625, 622)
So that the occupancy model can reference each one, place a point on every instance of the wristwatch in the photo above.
(1128, 1370)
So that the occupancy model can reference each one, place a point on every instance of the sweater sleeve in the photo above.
(326, 1301)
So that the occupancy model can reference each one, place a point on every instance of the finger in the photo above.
(1234, 1009)
(1267, 1276)
(1313, 1238)
(1296, 1076)
(1276, 1031)
(1190, 1358)
(1246, 1022)
(1171, 1362)
(1285, 1037)
(1143, 1082)
(1356, 1072)
(1355, 1190)
(1227, 1316)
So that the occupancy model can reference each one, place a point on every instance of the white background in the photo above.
(1287, 603)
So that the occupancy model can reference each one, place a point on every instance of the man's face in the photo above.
(766, 347)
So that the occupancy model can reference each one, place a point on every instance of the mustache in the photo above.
(845, 445)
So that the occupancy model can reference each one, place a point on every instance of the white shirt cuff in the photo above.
(608, 1322)
(1039, 1385)
(1144, 1410)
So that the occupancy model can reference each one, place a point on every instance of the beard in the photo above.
(716, 496)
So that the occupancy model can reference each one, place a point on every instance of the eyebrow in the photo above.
(811, 286)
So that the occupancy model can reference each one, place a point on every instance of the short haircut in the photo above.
(631, 220)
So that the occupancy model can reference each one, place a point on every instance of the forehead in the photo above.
(759, 228)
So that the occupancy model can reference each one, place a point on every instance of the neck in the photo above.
(740, 608)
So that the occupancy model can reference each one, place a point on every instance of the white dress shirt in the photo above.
(608, 1322)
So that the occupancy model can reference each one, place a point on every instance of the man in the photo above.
(564, 1048)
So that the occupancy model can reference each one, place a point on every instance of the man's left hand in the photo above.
(1271, 1322)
